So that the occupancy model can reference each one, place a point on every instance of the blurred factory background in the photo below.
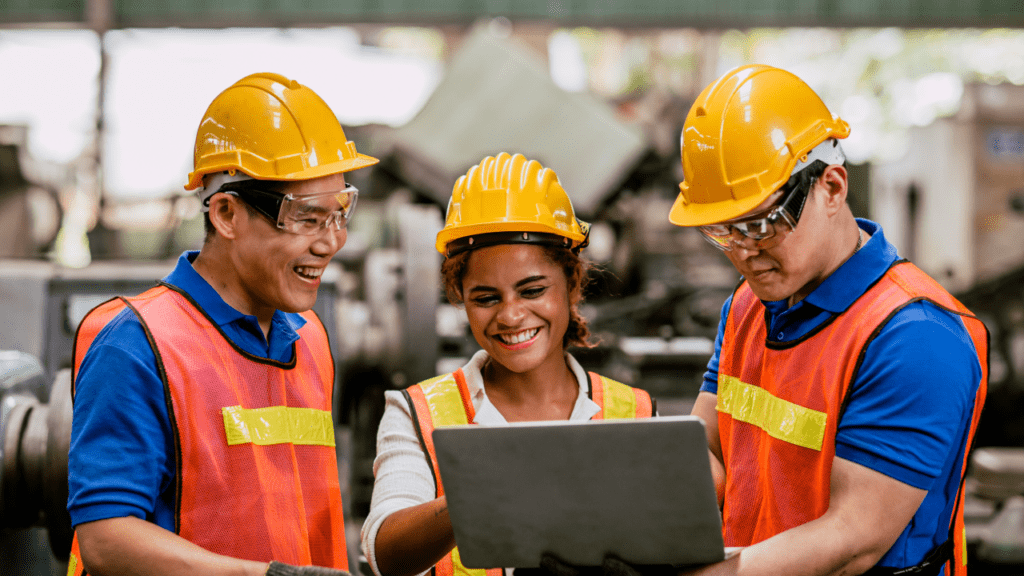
(98, 121)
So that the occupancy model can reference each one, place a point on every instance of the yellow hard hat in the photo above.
(742, 139)
(272, 128)
(507, 199)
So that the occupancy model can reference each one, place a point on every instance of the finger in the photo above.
(555, 566)
(615, 566)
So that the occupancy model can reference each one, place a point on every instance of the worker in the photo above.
(846, 385)
(202, 441)
(511, 244)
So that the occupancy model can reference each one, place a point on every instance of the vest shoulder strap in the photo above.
(94, 322)
(443, 401)
(618, 400)
(440, 401)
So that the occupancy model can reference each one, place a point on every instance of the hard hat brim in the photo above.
(195, 179)
(701, 214)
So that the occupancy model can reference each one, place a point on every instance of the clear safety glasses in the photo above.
(306, 215)
(763, 232)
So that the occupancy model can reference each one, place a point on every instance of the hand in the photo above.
(615, 566)
(551, 565)
(279, 569)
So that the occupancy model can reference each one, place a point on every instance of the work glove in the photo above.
(551, 565)
(279, 569)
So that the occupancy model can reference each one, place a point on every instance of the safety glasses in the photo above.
(763, 232)
(306, 215)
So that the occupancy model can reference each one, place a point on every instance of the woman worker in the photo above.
(511, 243)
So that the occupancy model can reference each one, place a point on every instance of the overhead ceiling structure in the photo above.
(497, 96)
(640, 13)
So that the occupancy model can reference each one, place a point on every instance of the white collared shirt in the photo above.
(402, 476)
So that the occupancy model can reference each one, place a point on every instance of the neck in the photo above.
(551, 381)
(224, 279)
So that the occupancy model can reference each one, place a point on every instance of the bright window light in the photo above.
(161, 81)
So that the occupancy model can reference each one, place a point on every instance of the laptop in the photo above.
(639, 489)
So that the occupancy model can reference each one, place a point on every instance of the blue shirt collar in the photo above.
(283, 326)
(842, 288)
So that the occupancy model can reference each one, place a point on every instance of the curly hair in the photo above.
(575, 267)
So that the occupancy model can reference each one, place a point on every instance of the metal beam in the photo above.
(719, 14)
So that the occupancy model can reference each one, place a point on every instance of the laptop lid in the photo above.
(639, 489)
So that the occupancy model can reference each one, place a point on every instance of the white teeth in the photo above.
(309, 272)
(518, 337)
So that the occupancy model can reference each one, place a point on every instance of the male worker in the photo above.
(202, 441)
(846, 385)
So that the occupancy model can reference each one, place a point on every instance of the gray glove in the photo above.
(279, 569)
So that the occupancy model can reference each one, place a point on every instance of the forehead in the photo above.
(506, 264)
(330, 183)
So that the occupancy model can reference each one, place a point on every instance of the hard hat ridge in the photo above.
(509, 199)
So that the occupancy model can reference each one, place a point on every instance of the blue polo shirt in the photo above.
(911, 402)
(122, 461)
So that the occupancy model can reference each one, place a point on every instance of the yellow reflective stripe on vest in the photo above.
(278, 425)
(460, 570)
(781, 419)
(964, 550)
(72, 564)
(444, 400)
(619, 400)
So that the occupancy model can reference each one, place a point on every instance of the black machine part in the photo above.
(34, 441)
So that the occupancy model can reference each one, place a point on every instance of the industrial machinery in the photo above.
(653, 304)
(35, 426)
(961, 220)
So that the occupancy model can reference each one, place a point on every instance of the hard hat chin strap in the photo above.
(829, 152)
(212, 184)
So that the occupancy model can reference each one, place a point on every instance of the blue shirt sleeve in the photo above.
(911, 401)
(121, 461)
(711, 375)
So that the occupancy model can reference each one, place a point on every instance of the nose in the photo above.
(511, 313)
(328, 241)
(744, 250)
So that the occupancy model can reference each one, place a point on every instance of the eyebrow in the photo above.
(522, 282)
(307, 209)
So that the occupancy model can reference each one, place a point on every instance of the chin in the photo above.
(296, 306)
(515, 363)
(769, 293)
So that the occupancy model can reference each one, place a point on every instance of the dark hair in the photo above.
(799, 187)
(806, 178)
(575, 267)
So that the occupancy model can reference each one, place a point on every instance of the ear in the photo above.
(226, 213)
(834, 183)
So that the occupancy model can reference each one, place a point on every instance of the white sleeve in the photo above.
(402, 475)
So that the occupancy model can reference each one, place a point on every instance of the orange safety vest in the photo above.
(445, 401)
(257, 472)
(779, 406)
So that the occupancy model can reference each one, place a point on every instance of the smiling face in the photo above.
(517, 302)
(278, 270)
